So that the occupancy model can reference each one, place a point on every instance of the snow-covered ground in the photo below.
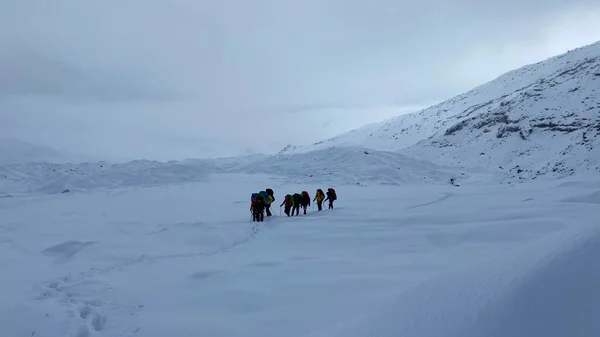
(423, 240)
(411, 260)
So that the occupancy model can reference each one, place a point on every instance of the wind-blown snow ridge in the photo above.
(340, 166)
(332, 165)
(549, 293)
(56, 178)
(352, 165)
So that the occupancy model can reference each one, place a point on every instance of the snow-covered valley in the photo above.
(475, 217)
(186, 261)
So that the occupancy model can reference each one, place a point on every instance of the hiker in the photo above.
(319, 196)
(257, 207)
(270, 199)
(288, 202)
(305, 200)
(297, 200)
(331, 196)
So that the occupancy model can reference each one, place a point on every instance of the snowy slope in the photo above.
(548, 127)
(186, 261)
(379, 135)
(552, 292)
(543, 117)
(351, 165)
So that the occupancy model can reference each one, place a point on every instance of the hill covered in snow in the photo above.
(351, 165)
(541, 119)
(546, 127)
(335, 166)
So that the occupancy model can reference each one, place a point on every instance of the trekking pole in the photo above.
(279, 210)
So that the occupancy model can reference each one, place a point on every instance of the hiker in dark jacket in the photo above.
(305, 200)
(288, 202)
(258, 207)
(331, 196)
(297, 200)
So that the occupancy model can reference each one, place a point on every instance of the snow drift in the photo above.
(549, 288)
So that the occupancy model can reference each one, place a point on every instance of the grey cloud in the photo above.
(223, 72)
(32, 73)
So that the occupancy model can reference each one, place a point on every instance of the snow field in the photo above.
(187, 261)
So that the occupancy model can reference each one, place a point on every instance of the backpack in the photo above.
(297, 198)
(270, 193)
(305, 198)
(288, 200)
(259, 203)
(332, 191)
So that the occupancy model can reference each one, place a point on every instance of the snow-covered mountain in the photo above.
(539, 119)
(549, 126)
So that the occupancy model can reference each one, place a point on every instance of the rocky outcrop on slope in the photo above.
(549, 127)
(566, 75)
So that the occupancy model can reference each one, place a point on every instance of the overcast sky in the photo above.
(171, 79)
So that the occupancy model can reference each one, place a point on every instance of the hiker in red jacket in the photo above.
(287, 201)
(258, 207)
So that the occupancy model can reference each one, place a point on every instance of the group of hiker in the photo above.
(261, 202)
